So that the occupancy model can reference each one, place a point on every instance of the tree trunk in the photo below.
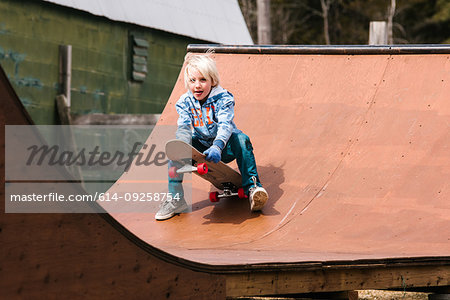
(390, 22)
(325, 7)
(264, 28)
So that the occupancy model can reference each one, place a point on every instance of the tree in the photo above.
(442, 17)
(325, 4)
(347, 21)
(290, 20)
(390, 22)
(248, 8)
(264, 22)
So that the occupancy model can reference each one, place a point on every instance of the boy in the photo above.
(205, 119)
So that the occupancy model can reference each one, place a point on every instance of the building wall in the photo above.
(30, 35)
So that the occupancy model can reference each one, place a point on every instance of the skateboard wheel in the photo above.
(202, 169)
(173, 172)
(241, 193)
(214, 197)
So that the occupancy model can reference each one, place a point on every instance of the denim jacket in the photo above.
(208, 122)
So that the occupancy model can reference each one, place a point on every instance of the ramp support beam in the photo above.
(336, 280)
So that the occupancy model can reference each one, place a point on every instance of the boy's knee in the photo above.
(243, 141)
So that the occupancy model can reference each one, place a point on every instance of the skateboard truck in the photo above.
(228, 191)
(201, 169)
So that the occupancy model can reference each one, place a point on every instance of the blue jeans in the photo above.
(238, 147)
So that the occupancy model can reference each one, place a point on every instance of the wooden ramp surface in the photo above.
(353, 150)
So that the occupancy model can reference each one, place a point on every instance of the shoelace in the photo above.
(254, 181)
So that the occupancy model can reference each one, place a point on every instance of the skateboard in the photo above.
(219, 174)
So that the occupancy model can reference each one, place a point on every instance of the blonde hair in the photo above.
(204, 63)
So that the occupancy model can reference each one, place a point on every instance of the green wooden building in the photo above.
(126, 55)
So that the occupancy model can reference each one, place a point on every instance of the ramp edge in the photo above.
(277, 267)
(322, 49)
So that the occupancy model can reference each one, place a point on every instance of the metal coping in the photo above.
(322, 49)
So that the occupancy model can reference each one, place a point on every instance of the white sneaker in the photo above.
(169, 209)
(258, 197)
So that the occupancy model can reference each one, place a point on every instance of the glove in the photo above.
(213, 153)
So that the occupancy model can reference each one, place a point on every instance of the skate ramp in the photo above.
(353, 150)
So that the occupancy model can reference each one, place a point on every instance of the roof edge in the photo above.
(322, 49)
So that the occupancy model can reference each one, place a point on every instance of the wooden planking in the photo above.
(295, 282)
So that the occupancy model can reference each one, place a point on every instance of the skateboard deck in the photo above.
(219, 174)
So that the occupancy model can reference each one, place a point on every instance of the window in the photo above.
(139, 54)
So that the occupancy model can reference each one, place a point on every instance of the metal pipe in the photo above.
(322, 49)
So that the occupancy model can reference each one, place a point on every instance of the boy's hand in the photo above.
(213, 154)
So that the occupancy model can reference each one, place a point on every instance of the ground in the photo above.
(387, 295)
(362, 295)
